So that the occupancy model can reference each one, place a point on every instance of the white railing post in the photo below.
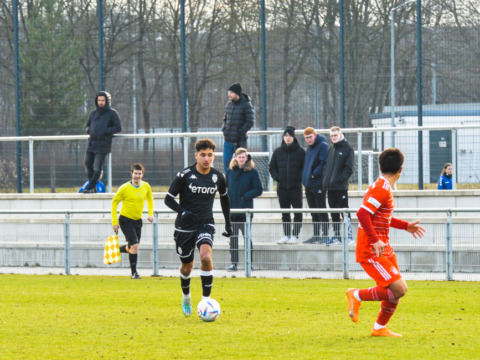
(31, 166)
(449, 247)
(247, 247)
(359, 165)
(67, 243)
(155, 243)
(345, 245)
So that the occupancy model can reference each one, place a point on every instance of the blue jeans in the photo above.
(228, 151)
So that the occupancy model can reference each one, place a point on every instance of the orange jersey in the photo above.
(378, 201)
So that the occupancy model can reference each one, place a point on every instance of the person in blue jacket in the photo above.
(315, 160)
(99, 188)
(244, 185)
(445, 180)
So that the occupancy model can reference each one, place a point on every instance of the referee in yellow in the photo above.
(133, 195)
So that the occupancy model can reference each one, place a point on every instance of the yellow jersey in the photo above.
(133, 199)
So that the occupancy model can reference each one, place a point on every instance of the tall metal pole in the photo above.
(342, 65)
(392, 71)
(101, 84)
(392, 64)
(183, 57)
(17, 96)
(263, 59)
(419, 93)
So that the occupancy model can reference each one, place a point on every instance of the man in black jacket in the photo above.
(101, 125)
(286, 169)
(239, 118)
(337, 171)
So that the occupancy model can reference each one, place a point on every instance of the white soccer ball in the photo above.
(208, 309)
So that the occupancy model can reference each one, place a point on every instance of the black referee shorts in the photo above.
(186, 241)
(132, 229)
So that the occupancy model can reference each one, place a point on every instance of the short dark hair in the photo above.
(390, 160)
(204, 144)
(137, 166)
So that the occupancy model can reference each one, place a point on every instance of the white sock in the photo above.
(205, 297)
(356, 295)
(186, 298)
(377, 326)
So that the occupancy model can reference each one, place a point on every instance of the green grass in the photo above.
(89, 317)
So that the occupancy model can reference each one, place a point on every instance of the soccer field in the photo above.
(98, 317)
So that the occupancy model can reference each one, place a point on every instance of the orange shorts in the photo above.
(384, 270)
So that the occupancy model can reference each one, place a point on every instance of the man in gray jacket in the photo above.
(239, 118)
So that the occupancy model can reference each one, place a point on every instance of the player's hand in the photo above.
(150, 218)
(115, 228)
(416, 230)
(379, 246)
(228, 230)
(188, 216)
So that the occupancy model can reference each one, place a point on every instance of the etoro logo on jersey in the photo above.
(202, 189)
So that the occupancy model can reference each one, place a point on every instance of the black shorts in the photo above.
(186, 241)
(132, 229)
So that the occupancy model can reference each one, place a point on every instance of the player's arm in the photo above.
(412, 227)
(150, 203)
(175, 188)
(365, 220)
(225, 204)
(115, 201)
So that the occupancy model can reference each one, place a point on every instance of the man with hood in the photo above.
(239, 118)
(315, 160)
(337, 171)
(101, 125)
(286, 168)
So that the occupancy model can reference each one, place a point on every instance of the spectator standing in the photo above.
(286, 168)
(445, 180)
(315, 160)
(337, 171)
(102, 124)
(239, 118)
(244, 185)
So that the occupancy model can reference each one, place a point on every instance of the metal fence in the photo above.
(74, 240)
(56, 162)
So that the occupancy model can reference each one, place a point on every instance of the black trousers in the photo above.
(337, 199)
(316, 199)
(291, 198)
(238, 225)
(93, 163)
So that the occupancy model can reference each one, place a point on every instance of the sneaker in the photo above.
(186, 308)
(353, 304)
(351, 241)
(283, 240)
(312, 240)
(135, 276)
(384, 332)
(323, 240)
(91, 191)
(334, 241)
(232, 267)
(293, 240)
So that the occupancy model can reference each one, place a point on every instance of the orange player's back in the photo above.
(378, 201)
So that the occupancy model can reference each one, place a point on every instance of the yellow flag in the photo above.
(111, 254)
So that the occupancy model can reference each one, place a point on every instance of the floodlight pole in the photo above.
(392, 64)
(17, 96)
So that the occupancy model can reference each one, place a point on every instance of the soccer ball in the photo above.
(208, 310)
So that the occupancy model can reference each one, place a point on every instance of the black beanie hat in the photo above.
(236, 88)
(289, 130)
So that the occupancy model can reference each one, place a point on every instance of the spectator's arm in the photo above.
(257, 188)
(249, 118)
(115, 125)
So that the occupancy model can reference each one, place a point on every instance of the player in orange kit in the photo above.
(373, 250)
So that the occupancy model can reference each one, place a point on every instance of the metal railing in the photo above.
(272, 137)
(448, 242)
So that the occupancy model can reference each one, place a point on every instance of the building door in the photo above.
(440, 152)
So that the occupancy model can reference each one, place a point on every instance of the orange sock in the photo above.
(386, 311)
(376, 293)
